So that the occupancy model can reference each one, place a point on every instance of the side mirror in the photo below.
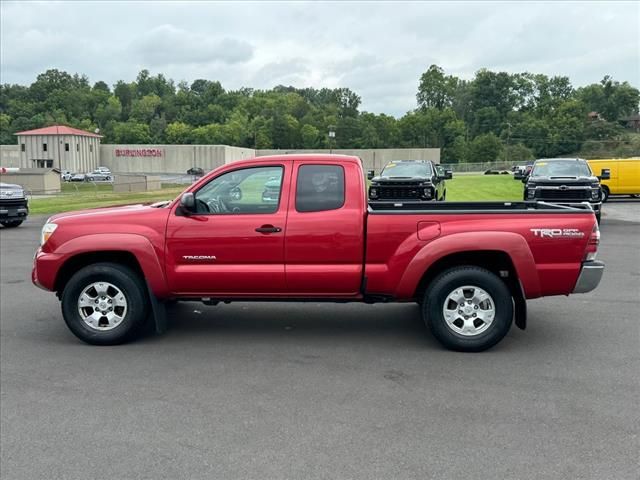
(525, 179)
(370, 174)
(605, 174)
(448, 174)
(188, 202)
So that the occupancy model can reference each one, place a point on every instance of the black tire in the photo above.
(89, 179)
(605, 193)
(131, 286)
(11, 223)
(444, 284)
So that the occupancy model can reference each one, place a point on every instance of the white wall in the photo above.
(172, 159)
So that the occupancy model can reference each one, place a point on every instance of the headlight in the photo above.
(47, 231)
(531, 192)
(595, 194)
(373, 193)
(426, 192)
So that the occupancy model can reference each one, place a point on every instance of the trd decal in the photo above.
(557, 232)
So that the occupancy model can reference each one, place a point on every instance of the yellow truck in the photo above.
(624, 176)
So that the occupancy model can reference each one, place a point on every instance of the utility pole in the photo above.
(332, 135)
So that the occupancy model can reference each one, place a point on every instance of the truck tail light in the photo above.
(593, 243)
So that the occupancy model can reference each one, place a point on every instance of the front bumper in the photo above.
(13, 211)
(590, 276)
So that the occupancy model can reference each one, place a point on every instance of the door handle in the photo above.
(268, 229)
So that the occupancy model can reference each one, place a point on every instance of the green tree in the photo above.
(485, 148)
(436, 90)
(310, 135)
(178, 133)
(144, 109)
(131, 132)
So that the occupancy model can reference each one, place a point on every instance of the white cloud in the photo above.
(377, 49)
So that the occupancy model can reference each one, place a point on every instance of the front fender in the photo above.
(135, 244)
(512, 244)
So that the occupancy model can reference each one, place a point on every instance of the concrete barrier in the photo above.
(135, 183)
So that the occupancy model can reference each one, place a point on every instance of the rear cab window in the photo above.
(320, 188)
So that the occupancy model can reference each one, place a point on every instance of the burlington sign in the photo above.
(139, 152)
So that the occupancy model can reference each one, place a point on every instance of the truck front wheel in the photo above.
(468, 309)
(105, 304)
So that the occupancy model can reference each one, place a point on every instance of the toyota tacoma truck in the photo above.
(14, 206)
(470, 266)
(409, 180)
(566, 181)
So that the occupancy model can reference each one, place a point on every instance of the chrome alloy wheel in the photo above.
(102, 306)
(469, 310)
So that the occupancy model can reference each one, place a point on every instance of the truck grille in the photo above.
(398, 193)
(14, 202)
(582, 194)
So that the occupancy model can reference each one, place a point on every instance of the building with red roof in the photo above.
(61, 147)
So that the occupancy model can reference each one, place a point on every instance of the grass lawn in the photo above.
(88, 196)
(482, 188)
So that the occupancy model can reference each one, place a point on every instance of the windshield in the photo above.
(408, 169)
(561, 168)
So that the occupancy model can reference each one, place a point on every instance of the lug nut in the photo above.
(474, 315)
(476, 307)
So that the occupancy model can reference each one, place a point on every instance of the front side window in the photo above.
(248, 190)
(319, 187)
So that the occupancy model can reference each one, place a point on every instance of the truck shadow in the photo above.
(342, 323)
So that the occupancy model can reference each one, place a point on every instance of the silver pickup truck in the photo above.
(14, 206)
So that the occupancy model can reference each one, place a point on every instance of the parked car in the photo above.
(271, 192)
(14, 206)
(409, 180)
(195, 171)
(78, 177)
(470, 266)
(521, 171)
(565, 181)
(66, 175)
(99, 176)
(624, 176)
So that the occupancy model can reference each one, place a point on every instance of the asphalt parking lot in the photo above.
(274, 391)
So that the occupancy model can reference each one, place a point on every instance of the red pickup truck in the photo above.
(299, 228)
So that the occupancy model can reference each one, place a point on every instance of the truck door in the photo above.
(324, 244)
(233, 243)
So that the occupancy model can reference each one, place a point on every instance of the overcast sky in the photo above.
(377, 49)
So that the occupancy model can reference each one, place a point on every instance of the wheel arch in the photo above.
(134, 251)
(76, 262)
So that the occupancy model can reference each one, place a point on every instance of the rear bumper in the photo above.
(590, 275)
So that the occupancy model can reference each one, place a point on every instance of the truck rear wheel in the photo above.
(105, 304)
(605, 193)
(468, 309)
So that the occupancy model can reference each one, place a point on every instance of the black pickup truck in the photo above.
(564, 181)
(409, 180)
(13, 205)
